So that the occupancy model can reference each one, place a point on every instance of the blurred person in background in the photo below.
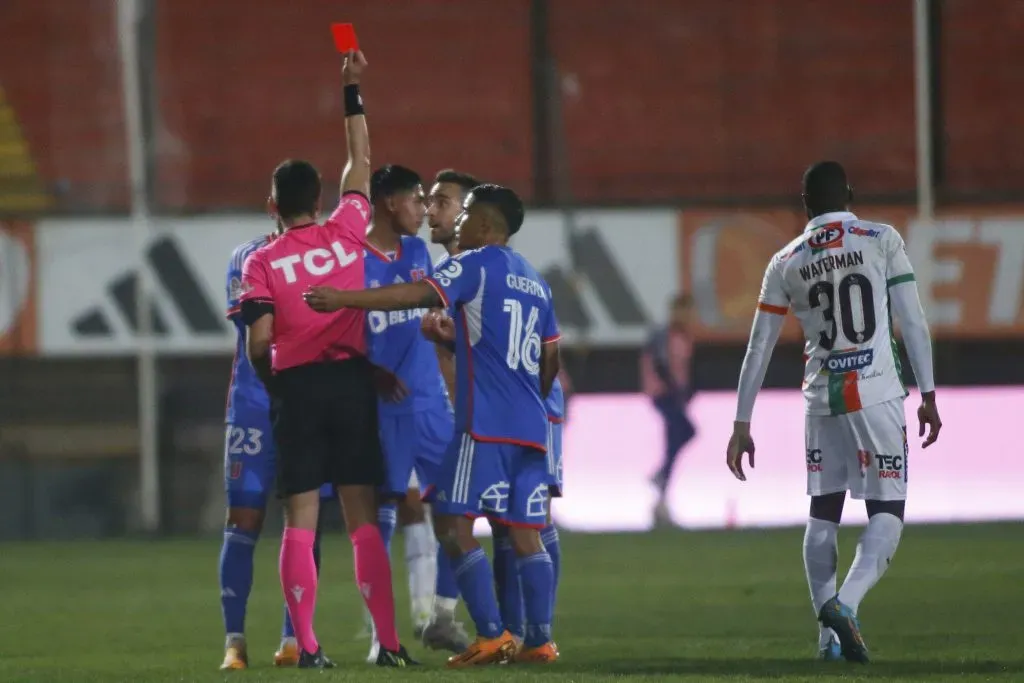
(666, 376)
(321, 384)
(416, 430)
(842, 278)
(250, 461)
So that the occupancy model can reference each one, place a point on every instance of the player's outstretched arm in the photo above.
(356, 176)
(906, 303)
(764, 334)
(405, 296)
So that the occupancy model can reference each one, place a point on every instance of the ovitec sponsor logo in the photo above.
(850, 360)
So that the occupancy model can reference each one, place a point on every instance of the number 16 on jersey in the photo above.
(524, 341)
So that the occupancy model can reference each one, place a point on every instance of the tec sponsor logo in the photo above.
(840, 362)
(814, 460)
(891, 466)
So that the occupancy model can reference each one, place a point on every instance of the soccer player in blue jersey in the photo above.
(249, 471)
(444, 205)
(415, 431)
(507, 360)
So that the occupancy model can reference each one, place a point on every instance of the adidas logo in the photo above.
(176, 284)
(594, 266)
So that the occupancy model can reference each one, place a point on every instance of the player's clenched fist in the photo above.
(438, 327)
(353, 67)
(324, 299)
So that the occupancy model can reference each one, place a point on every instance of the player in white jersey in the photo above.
(841, 278)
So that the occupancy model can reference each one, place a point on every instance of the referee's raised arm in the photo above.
(356, 176)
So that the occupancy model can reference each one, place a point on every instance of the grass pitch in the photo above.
(668, 606)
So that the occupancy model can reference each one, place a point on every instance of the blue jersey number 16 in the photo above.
(523, 339)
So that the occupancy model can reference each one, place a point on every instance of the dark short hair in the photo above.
(390, 179)
(505, 201)
(296, 188)
(463, 180)
(825, 183)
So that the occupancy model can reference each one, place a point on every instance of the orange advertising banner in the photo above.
(969, 265)
(17, 288)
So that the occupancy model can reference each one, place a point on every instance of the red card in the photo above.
(345, 37)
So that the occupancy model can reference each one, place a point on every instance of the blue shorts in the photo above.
(414, 443)
(250, 461)
(506, 482)
(555, 457)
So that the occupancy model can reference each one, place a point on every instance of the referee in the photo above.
(324, 403)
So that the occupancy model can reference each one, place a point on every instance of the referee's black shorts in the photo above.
(325, 426)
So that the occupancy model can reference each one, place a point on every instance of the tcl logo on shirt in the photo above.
(315, 262)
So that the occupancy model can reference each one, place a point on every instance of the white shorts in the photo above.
(864, 453)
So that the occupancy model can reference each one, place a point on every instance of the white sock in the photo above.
(821, 554)
(421, 560)
(445, 607)
(875, 549)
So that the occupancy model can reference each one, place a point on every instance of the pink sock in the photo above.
(373, 577)
(298, 581)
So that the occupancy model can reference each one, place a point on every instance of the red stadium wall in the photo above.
(663, 101)
(60, 71)
(983, 97)
(714, 99)
(448, 85)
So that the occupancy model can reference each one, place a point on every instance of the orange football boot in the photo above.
(235, 657)
(544, 654)
(485, 651)
(287, 654)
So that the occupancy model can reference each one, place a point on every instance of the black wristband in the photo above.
(353, 100)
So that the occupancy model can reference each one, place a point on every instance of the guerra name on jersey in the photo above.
(835, 277)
